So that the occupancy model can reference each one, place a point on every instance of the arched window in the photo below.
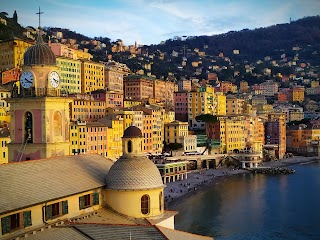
(129, 146)
(145, 204)
(160, 201)
(28, 127)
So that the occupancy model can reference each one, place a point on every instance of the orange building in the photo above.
(97, 138)
(244, 87)
(85, 108)
(297, 94)
(282, 97)
(226, 87)
(138, 87)
(11, 75)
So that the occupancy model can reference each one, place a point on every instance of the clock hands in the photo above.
(28, 80)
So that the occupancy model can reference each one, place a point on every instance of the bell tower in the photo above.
(40, 116)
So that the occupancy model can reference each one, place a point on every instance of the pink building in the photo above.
(181, 106)
(112, 99)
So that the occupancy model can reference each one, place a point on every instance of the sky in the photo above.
(152, 21)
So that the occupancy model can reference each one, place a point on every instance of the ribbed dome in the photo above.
(39, 54)
(136, 173)
(132, 131)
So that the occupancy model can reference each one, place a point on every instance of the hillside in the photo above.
(255, 43)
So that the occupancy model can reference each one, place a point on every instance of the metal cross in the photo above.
(39, 15)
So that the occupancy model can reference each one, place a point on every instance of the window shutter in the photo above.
(48, 212)
(5, 224)
(95, 198)
(81, 202)
(27, 219)
(65, 207)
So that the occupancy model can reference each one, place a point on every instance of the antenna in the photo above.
(39, 13)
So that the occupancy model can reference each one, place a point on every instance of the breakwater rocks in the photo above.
(273, 171)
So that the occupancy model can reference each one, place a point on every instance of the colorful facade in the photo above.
(234, 105)
(181, 106)
(297, 94)
(229, 130)
(70, 74)
(92, 76)
(200, 102)
(85, 108)
(12, 52)
(275, 133)
(64, 51)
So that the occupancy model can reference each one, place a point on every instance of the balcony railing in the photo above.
(38, 92)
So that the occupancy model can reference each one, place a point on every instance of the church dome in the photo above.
(131, 173)
(39, 54)
(132, 131)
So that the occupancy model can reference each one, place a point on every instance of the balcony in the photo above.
(38, 92)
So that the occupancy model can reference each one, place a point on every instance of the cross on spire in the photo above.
(39, 13)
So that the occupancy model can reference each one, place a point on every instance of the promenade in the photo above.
(199, 179)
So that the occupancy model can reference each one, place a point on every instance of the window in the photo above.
(56, 210)
(15, 221)
(160, 201)
(88, 200)
(145, 204)
(129, 146)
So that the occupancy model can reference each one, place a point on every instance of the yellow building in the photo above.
(11, 53)
(4, 107)
(111, 198)
(85, 108)
(168, 117)
(70, 74)
(297, 94)
(314, 84)
(115, 130)
(175, 130)
(230, 131)
(234, 105)
(92, 76)
(200, 102)
(221, 108)
(128, 103)
(4, 140)
(78, 137)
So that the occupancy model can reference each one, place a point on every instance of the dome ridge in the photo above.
(39, 54)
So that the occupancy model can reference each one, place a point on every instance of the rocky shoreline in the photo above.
(273, 170)
(201, 179)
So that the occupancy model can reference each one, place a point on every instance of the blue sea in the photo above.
(256, 206)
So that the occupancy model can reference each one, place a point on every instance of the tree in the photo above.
(208, 118)
(15, 16)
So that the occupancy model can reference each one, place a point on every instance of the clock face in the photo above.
(27, 79)
(54, 79)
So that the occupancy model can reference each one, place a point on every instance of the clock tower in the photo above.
(40, 116)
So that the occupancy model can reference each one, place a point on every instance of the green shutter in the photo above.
(27, 219)
(95, 198)
(48, 212)
(5, 224)
(81, 202)
(64, 207)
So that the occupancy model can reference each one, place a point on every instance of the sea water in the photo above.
(256, 206)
